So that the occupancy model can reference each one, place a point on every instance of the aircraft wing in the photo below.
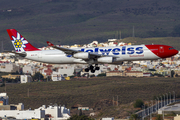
(66, 50)
(72, 51)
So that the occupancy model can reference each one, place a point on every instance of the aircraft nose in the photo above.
(175, 51)
(171, 51)
(166, 51)
(162, 51)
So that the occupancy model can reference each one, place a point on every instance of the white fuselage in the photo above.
(123, 53)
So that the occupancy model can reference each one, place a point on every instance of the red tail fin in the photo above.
(19, 42)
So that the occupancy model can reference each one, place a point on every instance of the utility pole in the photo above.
(28, 92)
(113, 101)
(167, 99)
(174, 96)
(161, 101)
(158, 104)
(164, 99)
(117, 100)
(152, 106)
(150, 112)
(148, 108)
(5, 86)
(170, 97)
(120, 35)
(144, 111)
(2, 47)
(133, 32)
(163, 113)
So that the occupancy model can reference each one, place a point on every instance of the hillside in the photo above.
(82, 21)
(95, 93)
(173, 41)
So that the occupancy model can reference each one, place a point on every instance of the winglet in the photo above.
(49, 43)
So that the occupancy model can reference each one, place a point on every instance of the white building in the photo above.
(25, 78)
(55, 76)
(11, 67)
(19, 106)
(4, 99)
(28, 69)
(27, 114)
(108, 118)
(177, 117)
(66, 70)
(112, 40)
(57, 112)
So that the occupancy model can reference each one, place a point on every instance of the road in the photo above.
(153, 108)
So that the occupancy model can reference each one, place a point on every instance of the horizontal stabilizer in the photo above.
(23, 54)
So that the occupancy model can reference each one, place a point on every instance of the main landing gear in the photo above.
(92, 68)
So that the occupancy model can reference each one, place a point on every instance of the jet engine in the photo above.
(105, 59)
(81, 55)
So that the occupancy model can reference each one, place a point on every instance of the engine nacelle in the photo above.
(118, 61)
(105, 59)
(81, 55)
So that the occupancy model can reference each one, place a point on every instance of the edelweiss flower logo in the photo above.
(19, 43)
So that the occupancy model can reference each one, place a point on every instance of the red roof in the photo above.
(48, 71)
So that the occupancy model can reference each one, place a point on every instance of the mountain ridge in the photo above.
(81, 22)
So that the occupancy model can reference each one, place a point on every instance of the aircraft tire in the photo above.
(92, 71)
(87, 70)
(97, 68)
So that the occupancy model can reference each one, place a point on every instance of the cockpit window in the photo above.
(171, 48)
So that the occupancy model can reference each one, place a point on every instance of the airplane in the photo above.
(91, 56)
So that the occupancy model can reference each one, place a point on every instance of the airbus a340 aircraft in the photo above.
(91, 56)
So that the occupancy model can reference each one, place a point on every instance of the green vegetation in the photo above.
(96, 93)
(38, 76)
(138, 103)
(159, 117)
(82, 117)
(2, 85)
(79, 21)
(102, 74)
(3, 73)
(134, 117)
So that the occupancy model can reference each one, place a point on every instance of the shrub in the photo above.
(82, 117)
(134, 117)
(102, 74)
(138, 103)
